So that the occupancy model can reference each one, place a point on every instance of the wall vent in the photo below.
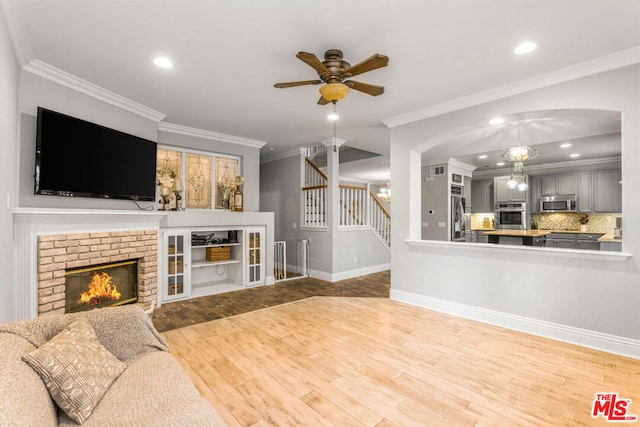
(436, 170)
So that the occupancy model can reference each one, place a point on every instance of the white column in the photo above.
(333, 192)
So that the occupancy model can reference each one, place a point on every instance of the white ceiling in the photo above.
(229, 53)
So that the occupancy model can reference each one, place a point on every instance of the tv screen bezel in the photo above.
(38, 190)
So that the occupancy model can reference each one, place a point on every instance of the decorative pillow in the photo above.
(76, 369)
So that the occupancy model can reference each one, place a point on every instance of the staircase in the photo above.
(359, 207)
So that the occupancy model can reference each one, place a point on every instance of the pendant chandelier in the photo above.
(385, 193)
(517, 155)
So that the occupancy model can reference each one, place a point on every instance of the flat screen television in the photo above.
(76, 158)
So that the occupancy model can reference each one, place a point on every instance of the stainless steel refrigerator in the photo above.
(458, 227)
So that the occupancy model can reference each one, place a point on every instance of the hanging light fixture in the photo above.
(333, 92)
(385, 193)
(517, 155)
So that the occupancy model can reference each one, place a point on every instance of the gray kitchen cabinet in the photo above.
(504, 193)
(585, 192)
(607, 191)
(466, 193)
(534, 189)
(558, 185)
(561, 240)
(482, 195)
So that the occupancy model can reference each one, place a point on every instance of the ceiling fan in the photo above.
(335, 72)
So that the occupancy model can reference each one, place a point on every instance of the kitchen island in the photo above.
(518, 237)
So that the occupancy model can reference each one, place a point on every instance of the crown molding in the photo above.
(49, 72)
(207, 134)
(595, 66)
(547, 166)
(18, 33)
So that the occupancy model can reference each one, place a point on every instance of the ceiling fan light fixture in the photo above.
(333, 92)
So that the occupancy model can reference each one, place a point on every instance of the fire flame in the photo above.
(100, 287)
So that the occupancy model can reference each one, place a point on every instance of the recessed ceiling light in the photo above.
(524, 48)
(500, 164)
(574, 155)
(496, 121)
(482, 156)
(333, 116)
(565, 145)
(162, 62)
(272, 148)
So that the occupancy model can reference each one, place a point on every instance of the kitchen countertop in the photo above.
(575, 232)
(518, 233)
(609, 238)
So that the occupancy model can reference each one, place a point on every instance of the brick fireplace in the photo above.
(57, 253)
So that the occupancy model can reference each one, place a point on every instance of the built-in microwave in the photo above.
(567, 203)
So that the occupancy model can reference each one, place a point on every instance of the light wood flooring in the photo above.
(342, 361)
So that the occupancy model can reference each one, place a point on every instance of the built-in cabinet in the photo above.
(558, 185)
(597, 191)
(482, 196)
(607, 191)
(506, 194)
(205, 261)
(585, 241)
(176, 276)
(585, 192)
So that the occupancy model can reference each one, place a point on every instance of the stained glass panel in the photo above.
(198, 185)
(226, 170)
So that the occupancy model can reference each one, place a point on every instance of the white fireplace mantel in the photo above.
(29, 223)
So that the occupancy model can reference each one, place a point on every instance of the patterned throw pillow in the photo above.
(76, 369)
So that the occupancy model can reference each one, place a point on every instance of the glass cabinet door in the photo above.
(176, 270)
(255, 264)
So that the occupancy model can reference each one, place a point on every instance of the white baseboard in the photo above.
(583, 337)
(336, 277)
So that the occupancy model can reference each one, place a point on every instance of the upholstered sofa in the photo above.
(151, 388)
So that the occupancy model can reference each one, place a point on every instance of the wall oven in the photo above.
(567, 203)
(511, 216)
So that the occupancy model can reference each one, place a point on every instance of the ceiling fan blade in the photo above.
(313, 61)
(372, 63)
(322, 101)
(301, 83)
(367, 88)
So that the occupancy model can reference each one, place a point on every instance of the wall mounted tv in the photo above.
(76, 158)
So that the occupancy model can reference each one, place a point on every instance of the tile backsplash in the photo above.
(598, 223)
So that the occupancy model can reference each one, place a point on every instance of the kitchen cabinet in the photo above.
(506, 194)
(534, 190)
(561, 240)
(607, 191)
(585, 241)
(558, 185)
(585, 192)
(466, 193)
(482, 196)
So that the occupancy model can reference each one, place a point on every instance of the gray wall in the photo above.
(595, 295)
(280, 193)
(250, 162)
(36, 91)
(434, 197)
(8, 169)
(360, 249)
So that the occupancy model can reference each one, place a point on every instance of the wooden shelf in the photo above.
(216, 245)
(213, 263)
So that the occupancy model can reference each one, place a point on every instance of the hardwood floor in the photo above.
(343, 361)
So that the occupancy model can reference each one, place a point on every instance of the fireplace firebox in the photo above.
(101, 285)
